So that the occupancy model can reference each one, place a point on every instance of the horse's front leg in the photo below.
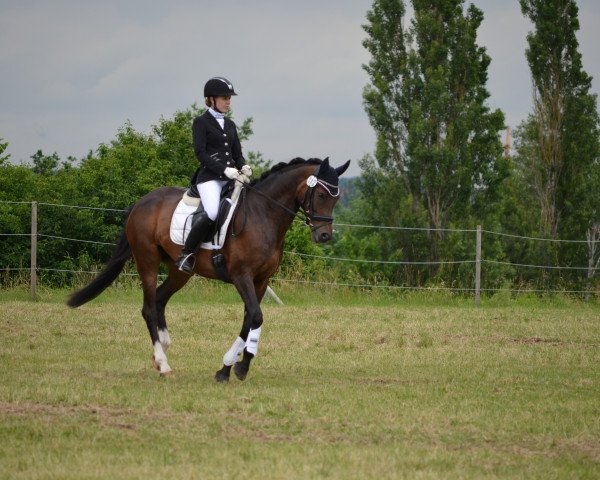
(242, 367)
(231, 356)
(246, 343)
(237, 350)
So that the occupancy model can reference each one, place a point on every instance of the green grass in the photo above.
(363, 388)
(127, 289)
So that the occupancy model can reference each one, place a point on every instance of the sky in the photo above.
(74, 71)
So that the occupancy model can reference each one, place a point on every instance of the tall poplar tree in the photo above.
(427, 103)
(565, 118)
(384, 100)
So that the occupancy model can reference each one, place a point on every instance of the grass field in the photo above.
(344, 387)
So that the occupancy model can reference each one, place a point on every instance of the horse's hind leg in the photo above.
(174, 282)
(150, 314)
(148, 261)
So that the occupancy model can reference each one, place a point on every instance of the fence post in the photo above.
(478, 267)
(33, 266)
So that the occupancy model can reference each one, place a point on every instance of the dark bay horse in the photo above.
(264, 214)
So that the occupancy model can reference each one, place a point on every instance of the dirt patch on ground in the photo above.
(22, 409)
(555, 342)
(534, 340)
(112, 417)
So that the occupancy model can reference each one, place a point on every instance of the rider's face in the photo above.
(222, 103)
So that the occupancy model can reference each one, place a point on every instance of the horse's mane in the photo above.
(283, 165)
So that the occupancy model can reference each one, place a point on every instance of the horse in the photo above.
(252, 250)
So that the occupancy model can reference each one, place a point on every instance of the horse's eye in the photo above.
(321, 196)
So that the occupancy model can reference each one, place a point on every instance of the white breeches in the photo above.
(210, 193)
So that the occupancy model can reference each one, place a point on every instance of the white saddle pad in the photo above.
(182, 218)
(181, 221)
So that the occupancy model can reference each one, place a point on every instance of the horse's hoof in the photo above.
(155, 364)
(222, 376)
(240, 371)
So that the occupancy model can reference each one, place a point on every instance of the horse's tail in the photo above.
(111, 271)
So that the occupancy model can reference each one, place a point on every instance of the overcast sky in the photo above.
(74, 71)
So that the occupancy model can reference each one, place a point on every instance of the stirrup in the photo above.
(186, 264)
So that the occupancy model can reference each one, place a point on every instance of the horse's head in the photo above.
(320, 196)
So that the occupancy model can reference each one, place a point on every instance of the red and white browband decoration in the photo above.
(312, 182)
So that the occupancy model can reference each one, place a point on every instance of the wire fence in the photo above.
(476, 261)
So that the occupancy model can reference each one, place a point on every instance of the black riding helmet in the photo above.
(218, 87)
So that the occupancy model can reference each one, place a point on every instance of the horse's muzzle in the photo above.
(322, 235)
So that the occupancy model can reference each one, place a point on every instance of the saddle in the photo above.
(190, 205)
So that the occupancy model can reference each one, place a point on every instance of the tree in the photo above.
(45, 164)
(565, 116)
(111, 178)
(3, 157)
(427, 103)
(384, 103)
(591, 185)
(454, 147)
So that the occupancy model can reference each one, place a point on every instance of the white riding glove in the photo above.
(232, 173)
(246, 170)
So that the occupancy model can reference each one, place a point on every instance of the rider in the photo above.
(218, 149)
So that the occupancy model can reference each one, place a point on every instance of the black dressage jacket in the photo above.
(216, 148)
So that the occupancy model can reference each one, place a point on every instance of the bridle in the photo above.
(304, 213)
(312, 183)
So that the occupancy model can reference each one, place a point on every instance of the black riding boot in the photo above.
(201, 229)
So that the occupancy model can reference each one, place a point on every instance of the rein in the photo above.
(303, 214)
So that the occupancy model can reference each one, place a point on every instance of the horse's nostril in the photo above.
(325, 237)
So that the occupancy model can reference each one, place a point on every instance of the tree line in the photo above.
(439, 160)
(439, 164)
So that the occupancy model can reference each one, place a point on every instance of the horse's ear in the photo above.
(343, 168)
(325, 164)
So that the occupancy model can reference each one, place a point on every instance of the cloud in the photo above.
(73, 72)
(503, 34)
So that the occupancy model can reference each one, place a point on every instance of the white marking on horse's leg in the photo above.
(161, 359)
(252, 342)
(165, 339)
(234, 352)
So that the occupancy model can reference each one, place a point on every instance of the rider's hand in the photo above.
(232, 173)
(246, 170)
